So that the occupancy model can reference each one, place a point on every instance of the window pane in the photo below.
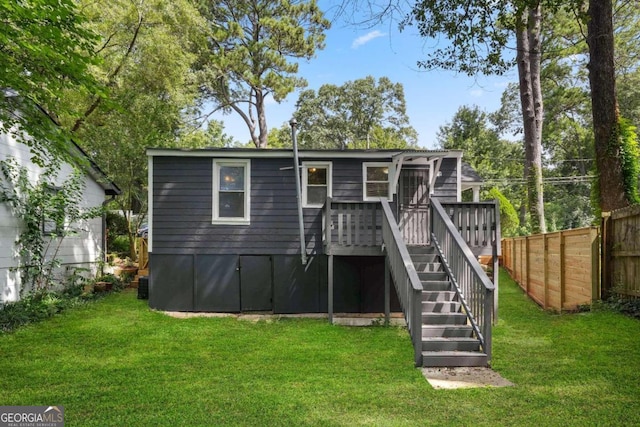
(317, 176)
(377, 190)
(231, 178)
(316, 195)
(377, 173)
(231, 205)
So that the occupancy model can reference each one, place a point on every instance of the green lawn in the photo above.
(116, 363)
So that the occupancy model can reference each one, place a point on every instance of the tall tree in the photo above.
(362, 113)
(45, 50)
(250, 47)
(616, 146)
(148, 49)
(478, 36)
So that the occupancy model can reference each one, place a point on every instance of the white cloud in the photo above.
(366, 38)
(476, 93)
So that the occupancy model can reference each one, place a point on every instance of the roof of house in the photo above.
(303, 153)
(469, 174)
(83, 160)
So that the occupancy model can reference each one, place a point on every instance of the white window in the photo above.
(231, 191)
(316, 183)
(53, 219)
(376, 181)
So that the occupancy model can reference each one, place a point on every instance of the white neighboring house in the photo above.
(83, 249)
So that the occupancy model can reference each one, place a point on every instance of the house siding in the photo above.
(81, 250)
(446, 188)
(183, 200)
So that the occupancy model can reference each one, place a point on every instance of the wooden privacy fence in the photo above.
(560, 270)
(621, 252)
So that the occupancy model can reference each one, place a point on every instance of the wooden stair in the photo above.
(447, 338)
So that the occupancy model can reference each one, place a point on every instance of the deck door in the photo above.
(413, 217)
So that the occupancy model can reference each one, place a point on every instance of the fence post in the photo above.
(605, 279)
(546, 270)
(563, 285)
(528, 259)
(595, 264)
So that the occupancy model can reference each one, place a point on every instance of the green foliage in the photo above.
(280, 137)
(212, 136)
(509, 221)
(148, 52)
(116, 224)
(46, 49)
(42, 304)
(630, 159)
(48, 213)
(363, 113)
(118, 244)
(250, 47)
(627, 306)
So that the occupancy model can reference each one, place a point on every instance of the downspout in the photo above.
(104, 227)
(296, 168)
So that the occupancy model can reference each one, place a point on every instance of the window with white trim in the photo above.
(316, 183)
(231, 191)
(376, 181)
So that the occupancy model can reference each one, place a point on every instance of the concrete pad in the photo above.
(464, 377)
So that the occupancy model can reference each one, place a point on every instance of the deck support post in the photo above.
(387, 293)
(330, 289)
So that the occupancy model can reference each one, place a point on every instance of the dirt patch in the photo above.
(452, 378)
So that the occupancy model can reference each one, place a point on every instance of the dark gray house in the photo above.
(368, 232)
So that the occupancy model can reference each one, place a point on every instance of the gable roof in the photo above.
(469, 174)
(80, 157)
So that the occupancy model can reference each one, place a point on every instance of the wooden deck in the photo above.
(460, 233)
(352, 228)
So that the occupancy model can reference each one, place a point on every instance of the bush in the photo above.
(116, 224)
(630, 307)
(118, 244)
(43, 304)
(116, 283)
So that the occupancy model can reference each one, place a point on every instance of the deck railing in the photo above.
(472, 284)
(406, 280)
(478, 224)
(352, 228)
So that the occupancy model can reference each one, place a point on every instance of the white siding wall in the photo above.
(81, 250)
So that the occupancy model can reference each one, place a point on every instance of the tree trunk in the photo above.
(604, 105)
(528, 58)
(262, 121)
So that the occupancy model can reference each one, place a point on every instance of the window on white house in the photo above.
(376, 179)
(316, 183)
(54, 218)
(231, 191)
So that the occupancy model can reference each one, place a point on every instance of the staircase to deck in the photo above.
(446, 298)
(447, 338)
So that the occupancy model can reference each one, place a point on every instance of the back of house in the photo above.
(224, 225)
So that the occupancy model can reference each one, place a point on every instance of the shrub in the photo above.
(630, 307)
(42, 304)
(116, 224)
(118, 244)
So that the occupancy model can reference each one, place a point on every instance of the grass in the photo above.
(116, 363)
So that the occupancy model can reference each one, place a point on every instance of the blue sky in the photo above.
(432, 97)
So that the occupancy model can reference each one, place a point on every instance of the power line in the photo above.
(577, 179)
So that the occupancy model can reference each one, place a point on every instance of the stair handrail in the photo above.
(473, 286)
(405, 278)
